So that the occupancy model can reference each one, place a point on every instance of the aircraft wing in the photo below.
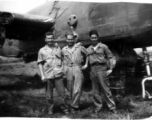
(24, 27)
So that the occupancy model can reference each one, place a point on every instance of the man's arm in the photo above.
(111, 64)
(86, 64)
(111, 68)
(110, 58)
(84, 51)
(40, 62)
(42, 72)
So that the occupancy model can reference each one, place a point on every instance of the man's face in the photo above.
(70, 40)
(49, 39)
(94, 39)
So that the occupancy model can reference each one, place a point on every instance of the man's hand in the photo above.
(84, 67)
(108, 72)
(43, 79)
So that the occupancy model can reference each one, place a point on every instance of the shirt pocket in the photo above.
(48, 63)
(90, 52)
(99, 51)
(58, 54)
(66, 54)
(67, 57)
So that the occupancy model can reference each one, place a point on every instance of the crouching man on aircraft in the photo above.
(74, 55)
(98, 55)
(51, 69)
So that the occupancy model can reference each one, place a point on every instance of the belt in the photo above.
(70, 64)
(96, 63)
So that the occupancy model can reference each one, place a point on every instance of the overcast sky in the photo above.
(23, 6)
(19, 6)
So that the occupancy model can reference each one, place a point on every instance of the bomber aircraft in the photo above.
(123, 26)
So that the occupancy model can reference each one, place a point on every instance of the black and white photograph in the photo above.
(73, 59)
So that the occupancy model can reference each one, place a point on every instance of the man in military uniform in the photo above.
(51, 69)
(99, 55)
(74, 55)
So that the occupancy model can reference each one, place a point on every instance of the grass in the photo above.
(20, 104)
(24, 96)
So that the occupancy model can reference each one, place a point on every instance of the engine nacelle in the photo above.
(127, 59)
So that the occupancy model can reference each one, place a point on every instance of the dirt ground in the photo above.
(22, 94)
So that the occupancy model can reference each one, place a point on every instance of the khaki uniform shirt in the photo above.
(51, 60)
(100, 55)
(74, 57)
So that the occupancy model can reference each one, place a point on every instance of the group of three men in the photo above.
(70, 62)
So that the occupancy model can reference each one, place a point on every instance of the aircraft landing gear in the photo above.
(145, 94)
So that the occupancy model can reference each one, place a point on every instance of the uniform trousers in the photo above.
(100, 85)
(58, 83)
(75, 80)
